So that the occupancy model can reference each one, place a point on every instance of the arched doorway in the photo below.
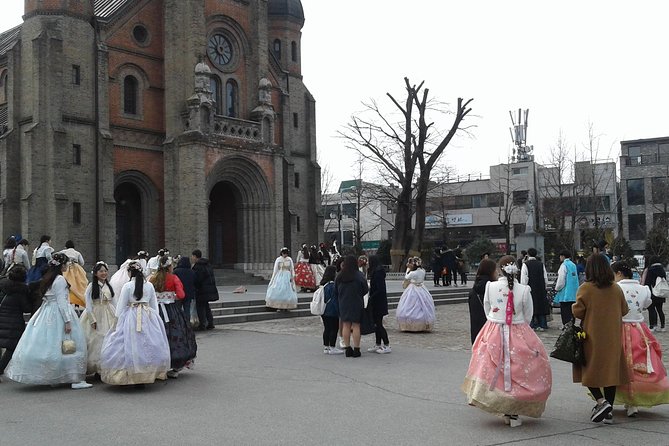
(223, 205)
(128, 221)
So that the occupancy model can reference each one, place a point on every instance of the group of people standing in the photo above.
(447, 265)
(509, 373)
(355, 299)
(134, 327)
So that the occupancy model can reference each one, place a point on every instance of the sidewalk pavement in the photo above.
(268, 383)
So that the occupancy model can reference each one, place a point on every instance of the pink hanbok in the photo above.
(509, 372)
(648, 384)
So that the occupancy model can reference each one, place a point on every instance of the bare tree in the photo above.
(404, 150)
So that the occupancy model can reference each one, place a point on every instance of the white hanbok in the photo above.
(38, 358)
(415, 311)
(136, 351)
(281, 292)
(120, 278)
(103, 313)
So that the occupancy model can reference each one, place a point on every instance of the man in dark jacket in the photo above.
(533, 273)
(205, 289)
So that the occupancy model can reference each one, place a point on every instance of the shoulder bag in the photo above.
(569, 345)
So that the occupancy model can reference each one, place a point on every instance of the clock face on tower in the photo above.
(219, 50)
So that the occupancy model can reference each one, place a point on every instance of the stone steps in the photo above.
(234, 277)
(255, 310)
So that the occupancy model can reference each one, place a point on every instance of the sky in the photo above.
(571, 63)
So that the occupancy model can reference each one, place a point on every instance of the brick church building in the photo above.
(138, 124)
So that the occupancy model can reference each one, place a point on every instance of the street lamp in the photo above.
(341, 205)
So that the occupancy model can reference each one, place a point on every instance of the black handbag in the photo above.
(367, 325)
(569, 345)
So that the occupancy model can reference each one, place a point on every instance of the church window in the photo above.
(76, 75)
(140, 34)
(130, 91)
(297, 221)
(297, 180)
(231, 97)
(277, 49)
(76, 154)
(293, 51)
(217, 93)
(76, 213)
(295, 120)
(3, 85)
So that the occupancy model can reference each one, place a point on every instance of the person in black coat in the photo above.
(378, 301)
(14, 301)
(351, 287)
(655, 270)
(205, 289)
(487, 272)
(187, 276)
(448, 260)
(435, 264)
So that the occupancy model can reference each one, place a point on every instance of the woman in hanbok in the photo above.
(180, 336)
(41, 257)
(304, 277)
(316, 265)
(99, 317)
(415, 311)
(122, 276)
(75, 274)
(136, 350)
(39, 357)
(281, 292)
(648, 384)
(509, 373)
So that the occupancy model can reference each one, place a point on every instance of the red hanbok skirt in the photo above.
(304, 277)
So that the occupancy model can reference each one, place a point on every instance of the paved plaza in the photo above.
(268, 383)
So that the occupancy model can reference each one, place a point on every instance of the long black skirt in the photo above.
(180, 336)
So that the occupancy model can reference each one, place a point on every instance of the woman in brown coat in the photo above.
(600, 304)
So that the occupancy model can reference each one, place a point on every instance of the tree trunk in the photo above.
(398, 250)
(421, 200)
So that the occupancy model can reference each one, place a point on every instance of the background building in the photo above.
(644, 184)
(129, 125)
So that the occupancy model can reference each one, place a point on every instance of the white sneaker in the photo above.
(632, 411)
(662, 330)
(653, 329)
(172, 374)
(383, 349)
(373, 349)
(81, 385)
(336, 351)
(326, 350)
(341, 343)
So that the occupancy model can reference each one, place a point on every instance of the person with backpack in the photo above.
(655, 271)
(330, 316)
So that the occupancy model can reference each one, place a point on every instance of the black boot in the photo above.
(349, 351)
(356, 352)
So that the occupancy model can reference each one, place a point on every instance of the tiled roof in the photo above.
(107, 8)
(8, 38)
